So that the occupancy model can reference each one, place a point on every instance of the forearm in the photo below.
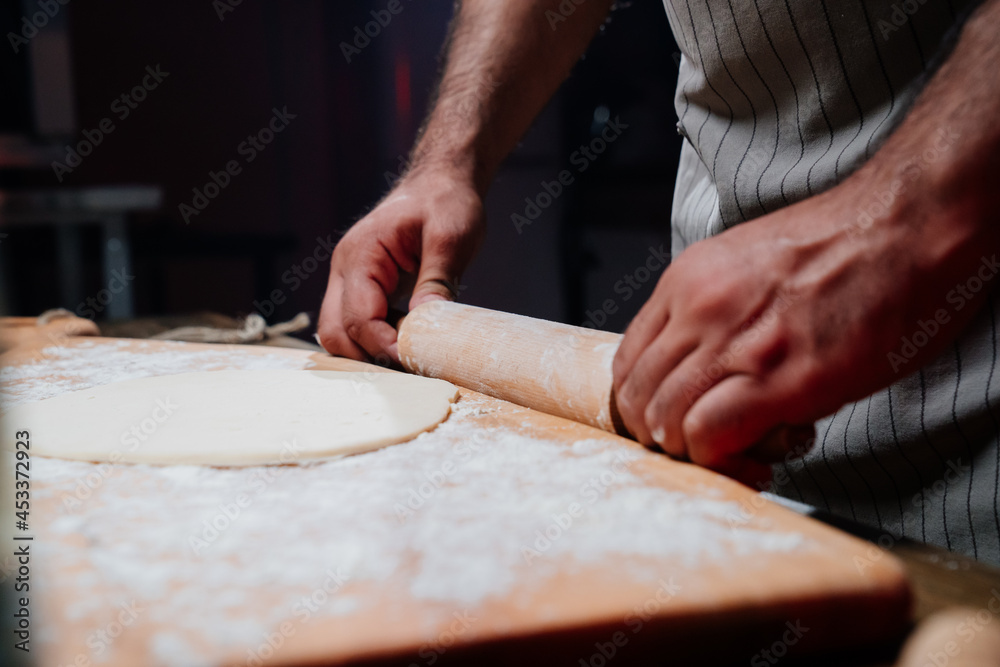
(503, 62)
(785, 319)
(943, 158)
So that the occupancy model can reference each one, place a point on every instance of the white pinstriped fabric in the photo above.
(780, 100)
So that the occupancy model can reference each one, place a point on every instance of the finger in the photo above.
(365, 306)
(647, 324)
(330, 330)
(734, 415)
(441, 264)
(653, 365)
(365, 302)
(434, 289)
(664, 415)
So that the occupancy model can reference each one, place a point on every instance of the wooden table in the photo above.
(571, 599)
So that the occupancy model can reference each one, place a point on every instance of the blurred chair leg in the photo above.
(69, 253)
(117, 268)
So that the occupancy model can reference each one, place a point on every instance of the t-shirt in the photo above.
(779, 101)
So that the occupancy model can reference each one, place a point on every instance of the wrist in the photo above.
(441, 182)
(926, 203)
(454, 165)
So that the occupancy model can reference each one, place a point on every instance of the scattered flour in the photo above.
(90, 364)
(453, 517)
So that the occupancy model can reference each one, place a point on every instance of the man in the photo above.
(862, 141)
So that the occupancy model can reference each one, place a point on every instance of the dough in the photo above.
(233, 418)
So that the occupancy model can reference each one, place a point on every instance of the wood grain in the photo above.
(729, 609)
(555, 368)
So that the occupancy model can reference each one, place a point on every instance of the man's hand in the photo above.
(428, 228)
(784, 319)
(503, 62)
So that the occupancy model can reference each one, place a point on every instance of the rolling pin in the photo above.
(957, 637)
(555, 368)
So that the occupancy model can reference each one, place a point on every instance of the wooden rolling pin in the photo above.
(956, 637)
(555, 368)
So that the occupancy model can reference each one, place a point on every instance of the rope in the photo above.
(254, 328)
(52, 314)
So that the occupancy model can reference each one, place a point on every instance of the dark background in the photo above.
(353, 122)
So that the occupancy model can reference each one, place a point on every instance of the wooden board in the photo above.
(666, 560)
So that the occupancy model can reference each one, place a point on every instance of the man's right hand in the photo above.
(429, 226)
(504, 61)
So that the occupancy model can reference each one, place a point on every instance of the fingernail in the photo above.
(659, 435)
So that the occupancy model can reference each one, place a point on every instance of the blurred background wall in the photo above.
(212, 74)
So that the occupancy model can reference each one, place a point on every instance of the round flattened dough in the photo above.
(234, 418)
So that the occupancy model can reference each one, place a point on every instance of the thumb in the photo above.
(440, 270)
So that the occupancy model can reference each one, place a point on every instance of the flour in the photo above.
(90, 364)
(451, 518)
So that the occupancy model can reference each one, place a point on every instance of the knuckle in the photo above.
(329, 338)
(618, 368)
(770, 354)
(353, 328)
(811, 378)
(626, 400)
(696, 430)
(448, 244)
(709, 303)
(632, 417)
